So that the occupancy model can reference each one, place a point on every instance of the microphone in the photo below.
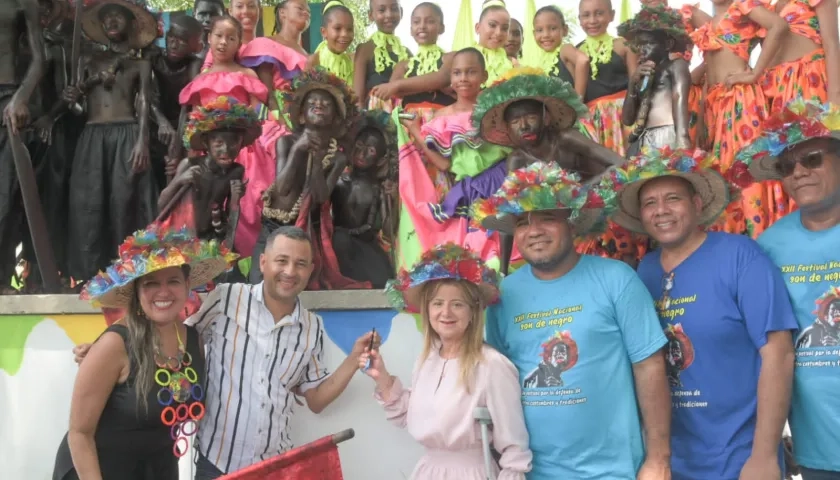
(645, 82)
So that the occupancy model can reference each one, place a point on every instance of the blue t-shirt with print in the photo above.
(574, 340)
(723, 301)
(810, 265)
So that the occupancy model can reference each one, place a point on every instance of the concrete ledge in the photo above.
(71, 305)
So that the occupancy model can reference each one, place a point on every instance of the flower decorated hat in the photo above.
(223, 113)
(444, 262)
(319, 78)
(562, 104)
(657, 19)
(799, 122)
(695, 166)
(153, 249)
(144, 25)
(540, 187)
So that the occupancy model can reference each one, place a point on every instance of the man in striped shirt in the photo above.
(263, 348)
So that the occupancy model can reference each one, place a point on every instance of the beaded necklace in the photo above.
(179, 384)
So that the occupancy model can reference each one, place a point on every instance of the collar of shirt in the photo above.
(258, 294)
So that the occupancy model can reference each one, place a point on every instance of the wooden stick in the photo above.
(34, 214)
(343, 436)
(167, 209)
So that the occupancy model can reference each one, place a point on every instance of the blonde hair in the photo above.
(471, 347)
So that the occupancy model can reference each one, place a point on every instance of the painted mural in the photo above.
(37, 373)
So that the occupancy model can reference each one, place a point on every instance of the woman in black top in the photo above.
(138, 394)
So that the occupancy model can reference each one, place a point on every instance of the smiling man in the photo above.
(588, 318)
(723, 307)
(801, 147)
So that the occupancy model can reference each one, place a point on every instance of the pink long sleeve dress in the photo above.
(438, 412)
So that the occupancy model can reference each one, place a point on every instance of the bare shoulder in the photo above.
(365, 50)
(110, 347)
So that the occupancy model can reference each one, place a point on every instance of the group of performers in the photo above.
(393, 145)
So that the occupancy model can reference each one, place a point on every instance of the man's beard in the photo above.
(548, 264)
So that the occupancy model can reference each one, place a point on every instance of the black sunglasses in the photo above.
(786, 166)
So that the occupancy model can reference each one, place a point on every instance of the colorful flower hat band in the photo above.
(563, 105)
(445, 262)
(799, 122)
(539, 187)
(694, 166)
(151, 250)
(657, 19)
(319, 78)
(223, 113)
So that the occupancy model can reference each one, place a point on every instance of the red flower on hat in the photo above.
(739, 175)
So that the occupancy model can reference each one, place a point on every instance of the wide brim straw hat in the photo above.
(144, 26)
(540, 187)
(695, 166)
(445, 262)
(223, 113)
(798, 122)
(319, 78)
(563, 106)
(151, 250)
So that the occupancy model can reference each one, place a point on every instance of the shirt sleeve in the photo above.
(504, 400)
(637, 319)
(763, 300)
(210, 309)
(316, 371)
(492, 328)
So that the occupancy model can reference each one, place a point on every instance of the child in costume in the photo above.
(505, 116)
(420, 81)
(492, 29)
(125, 417)
(320, 107)
(611, 64)
(437, 407)
(226, 77)
(555, 57)
(361, 209)
(734, 103)
(337, 30)
(450, 144)
(808, 62)
(210, 186)
(375, 59)
(657, 110)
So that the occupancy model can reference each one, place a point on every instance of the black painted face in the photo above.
(179, 43)
(205, 11)
(115, 22)
(651, 47)
(369, 147)
(319, 109)
(223, 146)
(525, 122)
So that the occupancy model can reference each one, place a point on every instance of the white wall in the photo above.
(35, 405)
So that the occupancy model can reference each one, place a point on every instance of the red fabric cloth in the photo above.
(327, 275)
(318, 460)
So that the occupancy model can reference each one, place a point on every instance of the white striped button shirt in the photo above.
(253, 365)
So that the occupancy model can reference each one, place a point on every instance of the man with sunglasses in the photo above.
(801, 148)
(725, 312)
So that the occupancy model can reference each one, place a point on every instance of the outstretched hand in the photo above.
(376, 370)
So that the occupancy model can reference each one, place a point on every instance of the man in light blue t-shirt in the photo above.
(800, 149)
(584, 336)
(726, 313)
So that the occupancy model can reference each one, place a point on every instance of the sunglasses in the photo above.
(667, 286)
(786, 166)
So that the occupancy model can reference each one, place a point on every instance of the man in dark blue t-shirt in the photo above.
(725, 312)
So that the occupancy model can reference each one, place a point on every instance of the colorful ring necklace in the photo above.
(179, 384)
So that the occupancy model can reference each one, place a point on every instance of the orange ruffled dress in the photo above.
(733, 116)
(805, 77)
(605, 99)
(205, 88)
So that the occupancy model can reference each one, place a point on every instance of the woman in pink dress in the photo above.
(456, 373)
(226, 77)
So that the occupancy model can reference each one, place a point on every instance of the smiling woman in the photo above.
(138, 391)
